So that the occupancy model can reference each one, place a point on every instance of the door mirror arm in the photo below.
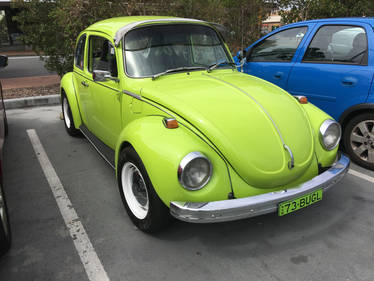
(242, 57)
(102, 76)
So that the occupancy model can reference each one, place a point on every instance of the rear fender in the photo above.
(67, 86)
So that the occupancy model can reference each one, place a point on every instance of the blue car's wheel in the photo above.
(359, 140)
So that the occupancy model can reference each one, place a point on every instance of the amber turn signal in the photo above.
(302, 99)
(171, 123)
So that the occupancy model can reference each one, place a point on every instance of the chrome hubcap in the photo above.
(65, 106)
(135, 191)
(3, 218)
(362, 140)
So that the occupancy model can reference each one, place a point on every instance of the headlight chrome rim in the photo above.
(183, 165)
(322, 131)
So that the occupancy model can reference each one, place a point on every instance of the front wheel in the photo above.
(68, 117)
(144, 207)
(4, 225)
(358, 140)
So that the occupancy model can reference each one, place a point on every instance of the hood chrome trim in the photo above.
(123, 30)
(286, 147)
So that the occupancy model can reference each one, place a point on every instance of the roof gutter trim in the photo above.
(123, 30)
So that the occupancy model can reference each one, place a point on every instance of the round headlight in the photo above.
(194, 171)
(329, 134)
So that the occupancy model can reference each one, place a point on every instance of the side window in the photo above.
(79, 52)
(338, 44)
(102, 55)
(279, 47)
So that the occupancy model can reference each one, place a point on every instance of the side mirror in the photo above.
(242, 54)
(3, 61)
(242, 57)
(102, 76)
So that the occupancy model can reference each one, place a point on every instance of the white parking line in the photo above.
(361, 175)
(91, 262)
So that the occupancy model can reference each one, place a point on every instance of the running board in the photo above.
(105, 151)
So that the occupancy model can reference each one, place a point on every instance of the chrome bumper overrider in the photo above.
(235, 209)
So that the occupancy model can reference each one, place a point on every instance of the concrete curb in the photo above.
(32, 101)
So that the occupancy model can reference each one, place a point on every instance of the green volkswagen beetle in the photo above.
(189, 135)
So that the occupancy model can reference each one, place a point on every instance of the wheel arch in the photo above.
(354, 111)
(161, 151)
(67, 87)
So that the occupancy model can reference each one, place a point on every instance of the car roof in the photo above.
(112, 25)
(367, 20)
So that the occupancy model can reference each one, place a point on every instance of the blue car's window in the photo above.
(338, 44)
(79, 52)
(154, 49)
(279, 47)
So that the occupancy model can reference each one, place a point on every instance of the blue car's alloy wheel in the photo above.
(359, 139)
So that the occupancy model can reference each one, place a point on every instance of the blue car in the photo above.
(331, 62)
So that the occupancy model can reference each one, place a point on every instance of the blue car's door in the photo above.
(332, 67)
(273, 57)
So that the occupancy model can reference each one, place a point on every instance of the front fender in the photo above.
(317, 117)
(67, 85)
(161, 151)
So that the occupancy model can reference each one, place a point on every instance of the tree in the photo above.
(297, 10)
(52, 26)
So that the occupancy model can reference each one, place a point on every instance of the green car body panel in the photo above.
(239, 122)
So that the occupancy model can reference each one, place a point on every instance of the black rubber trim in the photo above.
(105, 151)
(358, 107)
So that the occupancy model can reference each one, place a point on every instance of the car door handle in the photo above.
(84, 83)
(349, 81)
(278, 75)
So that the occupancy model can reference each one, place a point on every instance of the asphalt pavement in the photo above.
(330, 240)
(24, 66)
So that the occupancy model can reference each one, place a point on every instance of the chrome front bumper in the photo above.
(235, 209)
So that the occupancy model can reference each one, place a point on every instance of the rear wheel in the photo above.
(4, 225)
(144, 207)
(358, 140)
(68, 117)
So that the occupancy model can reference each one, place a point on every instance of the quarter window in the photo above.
(338, 44)
(279, 47)
(102, 55)
(79, 52)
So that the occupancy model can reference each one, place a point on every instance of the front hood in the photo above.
(247, 119)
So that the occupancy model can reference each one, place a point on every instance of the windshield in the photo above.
(158, 48)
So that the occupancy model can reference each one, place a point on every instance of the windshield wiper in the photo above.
(176, 70)
(215, 65)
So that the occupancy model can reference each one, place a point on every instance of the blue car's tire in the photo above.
(358, 139)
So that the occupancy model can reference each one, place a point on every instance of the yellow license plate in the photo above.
(293, 205)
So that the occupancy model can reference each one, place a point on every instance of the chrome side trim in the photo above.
(235, 209)
(123, 30)
(132, 94)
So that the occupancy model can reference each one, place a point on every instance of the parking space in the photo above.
(331, 240)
